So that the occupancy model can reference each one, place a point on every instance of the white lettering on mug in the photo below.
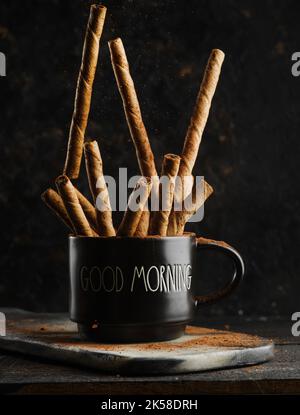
(156, 275)
(95, 279)
(84, 279)
(105, 273)
(119, 279)
(138, 273)
(108, 279)
(163, 278)
(189, 276)
(163, 285)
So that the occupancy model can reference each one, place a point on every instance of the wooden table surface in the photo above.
(22, 375)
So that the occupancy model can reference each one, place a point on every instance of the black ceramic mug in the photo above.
(126, 289)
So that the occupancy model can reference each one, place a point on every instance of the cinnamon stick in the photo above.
(69, 197)
(84, 90)
(178, 219)
(198, 120)
(144, 223)
(89, 210)
(136, 203)
(134, 120)
(159, 220)
(132, 108)
(52, 199)
(98, 188)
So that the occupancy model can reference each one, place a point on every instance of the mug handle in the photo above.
(239, 269)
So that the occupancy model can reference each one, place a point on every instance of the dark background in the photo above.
(249, 152)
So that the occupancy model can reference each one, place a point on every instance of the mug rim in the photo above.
(141, 238)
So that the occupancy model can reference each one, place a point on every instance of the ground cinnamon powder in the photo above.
(194, 337)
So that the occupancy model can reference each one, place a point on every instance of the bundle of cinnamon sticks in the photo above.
(95, 218)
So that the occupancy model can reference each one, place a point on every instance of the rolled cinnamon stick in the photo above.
(84, 90)
(52, 199)
(69, 197)
(98, 188)
(159, 219)
(178, 219)
(199, 119)
(136, 203)
(132, 108)
(89, 210)
(144, 223)
(135, 122)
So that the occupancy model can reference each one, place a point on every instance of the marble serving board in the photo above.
(54, 336)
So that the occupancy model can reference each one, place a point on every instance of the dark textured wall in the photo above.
(249, 152)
